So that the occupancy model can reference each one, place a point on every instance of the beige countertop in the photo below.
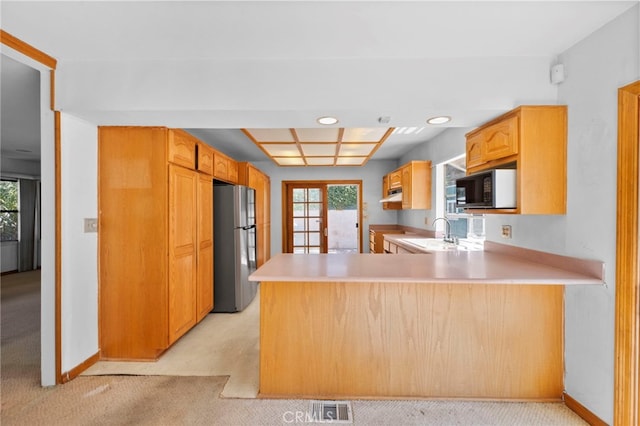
(498, 263)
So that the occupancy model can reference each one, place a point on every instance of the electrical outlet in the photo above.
(90, 225)
(426, 220)
(506, 231)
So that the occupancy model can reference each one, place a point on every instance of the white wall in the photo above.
(371, 175)
(596, 67)
(79, 162)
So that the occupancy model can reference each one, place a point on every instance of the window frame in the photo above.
(16, 211)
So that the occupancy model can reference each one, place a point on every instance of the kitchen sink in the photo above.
(435, 244)
(431, 244)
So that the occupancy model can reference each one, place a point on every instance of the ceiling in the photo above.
(329, 146)
(215, 67)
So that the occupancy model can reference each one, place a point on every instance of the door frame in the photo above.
(51, 295)
(285, 190)
(627, 310)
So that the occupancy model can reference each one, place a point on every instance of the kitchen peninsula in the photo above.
(447, 324)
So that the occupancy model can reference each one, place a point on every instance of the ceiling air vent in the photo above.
(330, 411)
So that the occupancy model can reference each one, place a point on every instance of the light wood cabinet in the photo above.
(232, 173)
(204, 289)
(385, 193)
(533, 140)
(151, 266)
(474, 150)
(253, 177)
(225, 168)
(205, 158)
(376, 239)
(395, 179)
(416, 185)
(500, 140)
(182, 148)
(220, 166)
(415, 181)
(183, 187)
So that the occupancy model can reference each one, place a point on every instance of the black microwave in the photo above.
(492, 189)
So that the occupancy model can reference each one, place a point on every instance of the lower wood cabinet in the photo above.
(154, 244)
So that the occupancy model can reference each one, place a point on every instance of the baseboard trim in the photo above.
(582, 411)
(77, 370)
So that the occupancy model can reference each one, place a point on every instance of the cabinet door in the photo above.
(132, 242)
(385, 192)
(232, 171)
(474, 150)
(183, 188)
(205, 159)
(221, 166)
(406, 187)
(500, 139)
(182, 149)
(204, 297)
(395, 179)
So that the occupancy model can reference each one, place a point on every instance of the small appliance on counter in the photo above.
(234, 239)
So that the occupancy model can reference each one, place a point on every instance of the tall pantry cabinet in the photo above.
(251, 176)
(155, 239)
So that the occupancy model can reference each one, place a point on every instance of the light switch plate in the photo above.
(90, 225)
(506, 231)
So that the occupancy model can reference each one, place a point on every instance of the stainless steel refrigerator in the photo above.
(234, 238)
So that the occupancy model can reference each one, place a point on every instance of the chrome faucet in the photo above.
(447, 233)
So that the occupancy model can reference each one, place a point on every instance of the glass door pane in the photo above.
(308, 219)
(342, 218)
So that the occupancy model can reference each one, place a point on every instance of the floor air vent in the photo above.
(330, 412)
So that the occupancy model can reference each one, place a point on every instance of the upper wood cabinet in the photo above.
(154, 271)
(182, 148)
(385, 192)
(205, 158)
(253, 177)
(533, 140)
(225, 168)
(415, 182)
(395, 179)
(416, 185)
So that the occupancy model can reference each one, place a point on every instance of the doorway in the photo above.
(322, 217)
(49, 195)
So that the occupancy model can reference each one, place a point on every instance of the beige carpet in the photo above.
(221, 345)
(189, 400)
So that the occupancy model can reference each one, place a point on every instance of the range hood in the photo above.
(393, 197)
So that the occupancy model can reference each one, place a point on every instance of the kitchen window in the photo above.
(464, 225)
(9, 213)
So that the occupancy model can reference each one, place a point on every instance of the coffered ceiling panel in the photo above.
(319, 149)
(318, 135)
(319, 146)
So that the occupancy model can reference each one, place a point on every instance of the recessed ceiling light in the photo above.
(327, 120)
(439, 120)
